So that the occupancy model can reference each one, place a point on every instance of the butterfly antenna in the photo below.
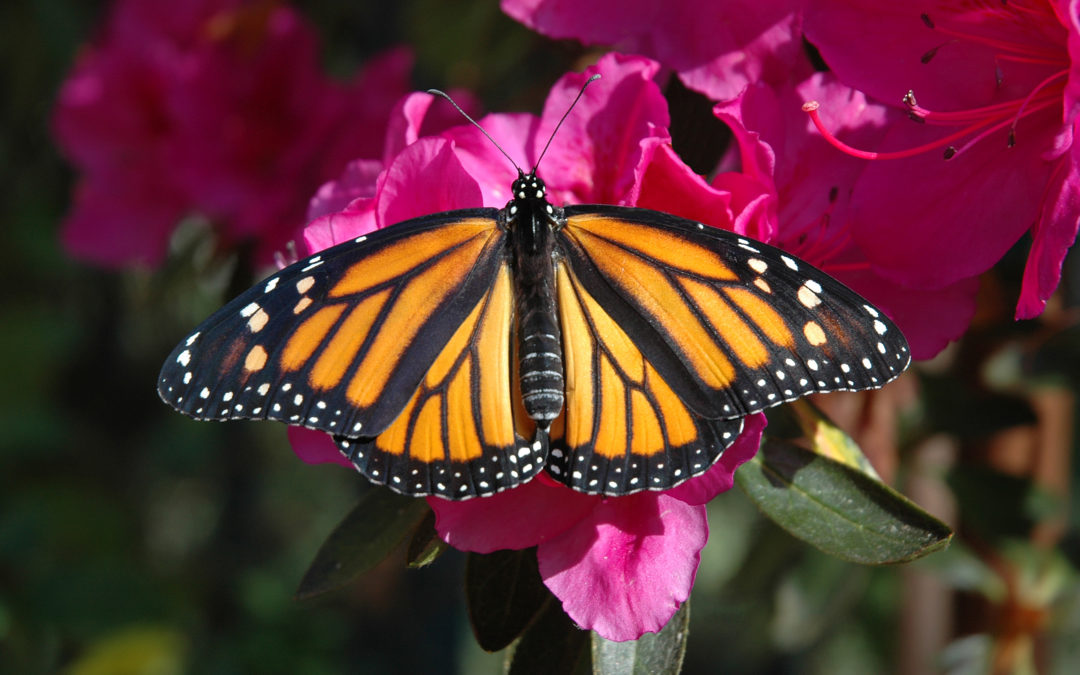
(566, 114)
(436, 92)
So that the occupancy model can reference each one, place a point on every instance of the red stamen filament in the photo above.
(811, 107)
(979, 121)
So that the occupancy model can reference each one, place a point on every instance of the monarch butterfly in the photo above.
(462, 353)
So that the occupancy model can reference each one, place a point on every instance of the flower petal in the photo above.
(671, 186)
(718, 48)
(602, 149)
(514, 132)
(123, 219)
(356, 219)
(525, 516)
(357, 180)
(625, 569)
(424, 178)
(316, 447)
(721, 477)
(1053, 234)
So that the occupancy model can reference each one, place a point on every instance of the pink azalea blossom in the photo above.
(995, 86)
(217, 108)
(717, 48)
(112, 121)
(620, 566)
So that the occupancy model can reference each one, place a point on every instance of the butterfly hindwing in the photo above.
(341, 340)
(623, 428)
(456, 436)
(735, 326)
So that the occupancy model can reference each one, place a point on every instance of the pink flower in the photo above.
(717, 48)
(996, 89)
(810, 188)
(112, 121)
(217, 108)
(620, 566)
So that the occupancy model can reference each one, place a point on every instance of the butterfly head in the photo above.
(529, 187)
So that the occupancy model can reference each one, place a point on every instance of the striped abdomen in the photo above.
(539, 351)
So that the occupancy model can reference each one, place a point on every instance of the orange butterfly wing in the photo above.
(734, 326)
(401, 337)
(456, 436)
(624, 429)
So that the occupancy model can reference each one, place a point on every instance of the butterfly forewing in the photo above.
(456, 436)
(734, 326)
(340, 341)
(624, 429)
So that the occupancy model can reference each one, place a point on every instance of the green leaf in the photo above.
(837, 508)
(651, 654)
(827, 439)
(504, 592)
(425, 546)
(376, 525)
(551, 644)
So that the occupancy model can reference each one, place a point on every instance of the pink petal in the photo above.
(602, 149)
(625, 569)
(879, 47)
(525, 516)
(721, 477)
(403, 128)
(357, 180)
(356, 219)
(717, 47)
(514, 132)
(122, 219)
(671, 186)
(927, 222)
(1053, 234)
(425, 178)
(316, 447)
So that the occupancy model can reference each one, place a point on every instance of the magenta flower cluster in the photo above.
(940, 135)
(217, 109)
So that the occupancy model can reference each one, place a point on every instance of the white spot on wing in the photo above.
(304, 285)
(808, 296)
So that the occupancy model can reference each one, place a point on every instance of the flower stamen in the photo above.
(978, 123)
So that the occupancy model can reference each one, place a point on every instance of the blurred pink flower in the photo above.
(717, 48)
(620, 566)
(217, 108)
(996, 89)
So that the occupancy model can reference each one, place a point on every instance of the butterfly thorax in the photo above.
(531, 222)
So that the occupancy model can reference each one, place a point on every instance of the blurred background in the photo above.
(133, 540)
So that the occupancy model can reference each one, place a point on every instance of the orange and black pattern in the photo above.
(408, 347)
